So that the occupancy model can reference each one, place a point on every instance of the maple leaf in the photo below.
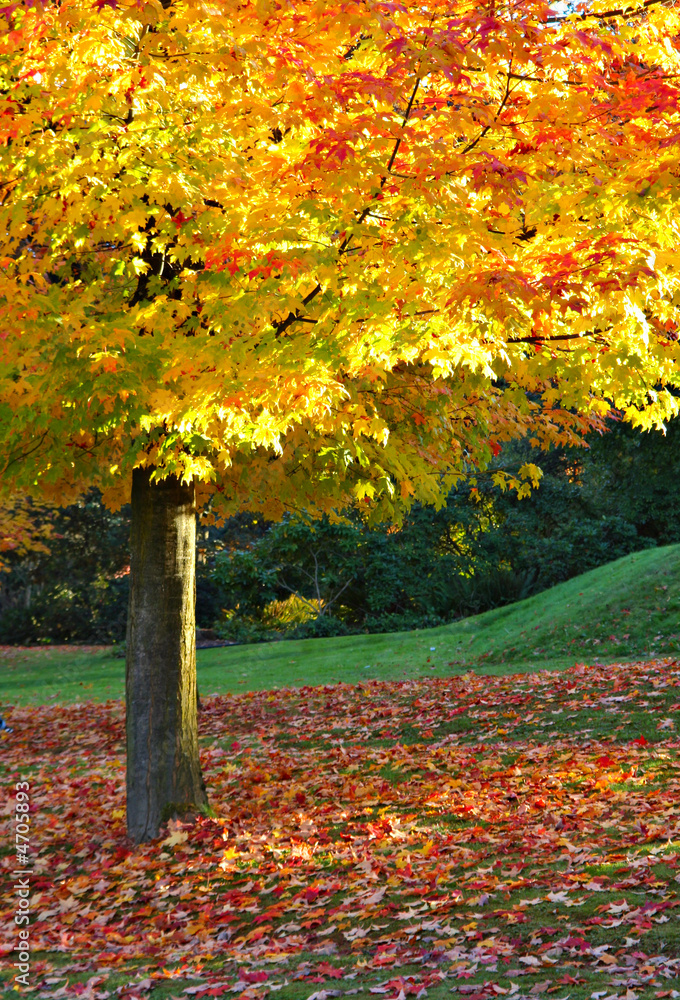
(175, 838)
(640, 741)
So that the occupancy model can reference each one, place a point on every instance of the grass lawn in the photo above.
(477, 835)
(629, 609)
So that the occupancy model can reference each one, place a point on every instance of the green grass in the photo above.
(626, 610)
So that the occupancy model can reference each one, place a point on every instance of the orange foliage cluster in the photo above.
(308, 253)
(24, 527)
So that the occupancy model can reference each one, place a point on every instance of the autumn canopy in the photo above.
(302, 253)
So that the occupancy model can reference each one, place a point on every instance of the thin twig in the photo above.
(618, 12)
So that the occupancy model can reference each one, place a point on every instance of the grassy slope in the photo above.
(628, 609)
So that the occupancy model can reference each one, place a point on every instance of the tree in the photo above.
(636, 475)
(24, 528)
(74, 587)
(292, 255)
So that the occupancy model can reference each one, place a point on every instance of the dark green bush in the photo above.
(400, 623)
(323, 627)
(59, 615)
(245, 630)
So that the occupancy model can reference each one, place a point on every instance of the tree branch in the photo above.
(25, 454)
(618, 12)
(409, 108)
(506, 95)
(332, 600)
(294, 317)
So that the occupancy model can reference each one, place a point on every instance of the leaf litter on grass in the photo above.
(475, 836)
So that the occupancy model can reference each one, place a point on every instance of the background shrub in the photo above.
(301, 577)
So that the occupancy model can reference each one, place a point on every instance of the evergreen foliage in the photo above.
(305, 578)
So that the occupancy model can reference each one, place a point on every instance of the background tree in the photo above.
(302, 255)
(482, 548)
(25, 528)
(74, 586)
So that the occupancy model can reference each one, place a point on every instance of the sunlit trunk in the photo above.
(163, 769)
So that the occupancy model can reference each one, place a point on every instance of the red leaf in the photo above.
(254, 977)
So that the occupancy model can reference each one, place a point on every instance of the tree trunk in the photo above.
(163, 769)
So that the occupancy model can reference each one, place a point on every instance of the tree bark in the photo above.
(163, 768)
